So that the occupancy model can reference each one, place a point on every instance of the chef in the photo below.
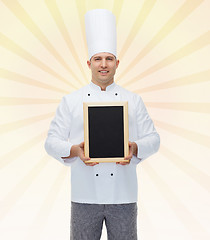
(101, 192)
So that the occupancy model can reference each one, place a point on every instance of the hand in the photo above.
(80, 153)
(132, 151)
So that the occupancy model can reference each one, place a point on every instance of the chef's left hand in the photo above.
(132, 151)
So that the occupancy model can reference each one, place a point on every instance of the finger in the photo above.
(85, 159)
(82, 144)
(91, 164)
(128, 157)
(123, 163)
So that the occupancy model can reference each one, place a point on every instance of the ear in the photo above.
(88, 63)
(117, 63)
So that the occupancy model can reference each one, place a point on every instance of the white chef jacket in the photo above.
(104, 183)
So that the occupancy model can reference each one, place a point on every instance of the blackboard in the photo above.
(106, 131)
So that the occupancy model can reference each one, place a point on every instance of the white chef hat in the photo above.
(100, 25)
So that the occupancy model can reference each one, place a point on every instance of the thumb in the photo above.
(81, 145)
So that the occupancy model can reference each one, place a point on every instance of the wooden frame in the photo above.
(99, 121)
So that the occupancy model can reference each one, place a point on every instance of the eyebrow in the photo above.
(105, 57)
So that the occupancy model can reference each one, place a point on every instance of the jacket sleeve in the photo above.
(148, 141)
(57, 144)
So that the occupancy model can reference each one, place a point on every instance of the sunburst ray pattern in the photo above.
(164, 52)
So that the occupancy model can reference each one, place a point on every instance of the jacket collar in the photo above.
(108, 88)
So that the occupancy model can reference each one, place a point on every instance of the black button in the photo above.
(112, 174)
(96, 174)
(88, 94)
(115, 94)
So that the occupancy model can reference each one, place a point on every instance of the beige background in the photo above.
(165, 57)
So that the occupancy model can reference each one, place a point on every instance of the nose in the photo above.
(103, 63)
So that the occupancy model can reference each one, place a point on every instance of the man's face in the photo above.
(103, 67)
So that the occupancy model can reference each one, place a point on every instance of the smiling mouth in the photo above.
(103, 71)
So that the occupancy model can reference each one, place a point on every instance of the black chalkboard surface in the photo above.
(106, 131)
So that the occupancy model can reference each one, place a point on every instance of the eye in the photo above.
(109, 58)
(97, 59)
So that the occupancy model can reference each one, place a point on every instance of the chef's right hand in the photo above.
(79, 151)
